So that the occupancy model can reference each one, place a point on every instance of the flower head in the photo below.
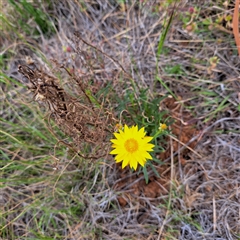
(162, 127)
(118, 126)
(131, 146)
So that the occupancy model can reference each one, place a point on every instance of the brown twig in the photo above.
(236, 25)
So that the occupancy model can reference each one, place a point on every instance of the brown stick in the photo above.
(236, 25)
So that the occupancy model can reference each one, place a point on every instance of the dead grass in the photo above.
(49, 191)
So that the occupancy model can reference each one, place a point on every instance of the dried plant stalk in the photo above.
(82, 118)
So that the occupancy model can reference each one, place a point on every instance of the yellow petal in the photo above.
(125, 163)
(134, 163)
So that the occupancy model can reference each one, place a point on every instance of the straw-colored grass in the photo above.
(50, 191)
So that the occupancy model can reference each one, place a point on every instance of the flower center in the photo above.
(131, 145)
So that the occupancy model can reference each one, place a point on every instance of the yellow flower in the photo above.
(118, 126)
(131, 147)
(162, 127)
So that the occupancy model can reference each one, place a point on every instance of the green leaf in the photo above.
(145, 173)
(154, 169)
